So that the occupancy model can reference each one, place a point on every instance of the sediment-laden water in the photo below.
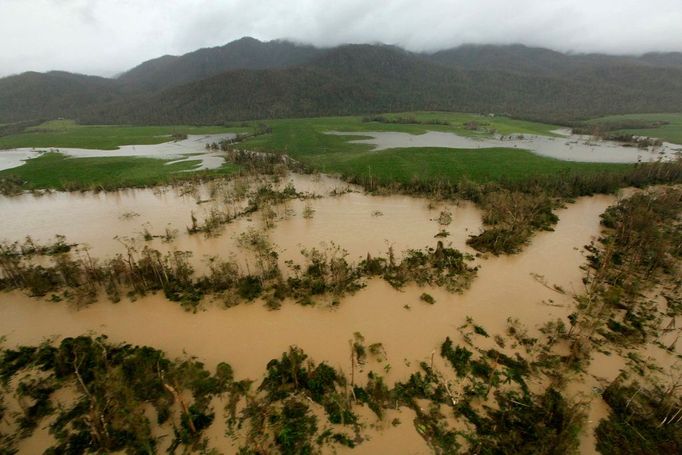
(534, 286)
(249, 335)
(357, 222)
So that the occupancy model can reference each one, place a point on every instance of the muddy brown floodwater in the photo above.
(249, 335)
(357, 222)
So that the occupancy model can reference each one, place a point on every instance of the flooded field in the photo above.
(535, 287)
(566, 148)
(359, 223)
(191, 149)
(249, 335)
(522, 286)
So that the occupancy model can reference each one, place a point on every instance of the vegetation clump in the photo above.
(643, 419)
(511, 219)
(308, 211)
(602, 129)
(227, 145)
(531, 423)
(639, 251)
(445, 218)
(459, 357)
(404, 120)
(291, 375)
(441, 266)
(30, 248)
(11, 185)
(634, 141)
(279, 415)
(490, 393)
(324, 273)
(427, 298)
(515, 209)
(262, 198)
(113, 383)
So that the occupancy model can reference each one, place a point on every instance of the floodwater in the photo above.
(357, 222)
(566, 148)
(249, 335)
(191, 149)
(522, 286)
(604, 368)
(14, 158)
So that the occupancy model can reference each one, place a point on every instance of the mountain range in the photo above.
(250, 79)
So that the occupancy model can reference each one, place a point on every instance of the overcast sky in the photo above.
(105, 37)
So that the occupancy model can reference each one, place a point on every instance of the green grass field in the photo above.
(53, 170)
(305, 140)
(672, 132)
(482, 165)
(66, 133)
(307, 136)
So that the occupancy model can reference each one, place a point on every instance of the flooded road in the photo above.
(567, 148)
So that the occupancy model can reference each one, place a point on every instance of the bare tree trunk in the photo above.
(185, 410)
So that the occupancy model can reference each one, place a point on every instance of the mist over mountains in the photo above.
(249, 79)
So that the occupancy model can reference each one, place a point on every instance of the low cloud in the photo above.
(108, 36)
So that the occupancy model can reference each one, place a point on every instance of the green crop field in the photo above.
(480, 165)
(66, 133)
(305, 140)
(303, 137)
(671, 131)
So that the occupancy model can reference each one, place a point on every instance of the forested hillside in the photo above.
(31, 96)
(249, 79)
(539, 61)
(246, 53)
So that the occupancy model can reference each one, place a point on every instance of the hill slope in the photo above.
(245, 53)
(363, 79)
(248, 79)
(31, 95)
(521, 59)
